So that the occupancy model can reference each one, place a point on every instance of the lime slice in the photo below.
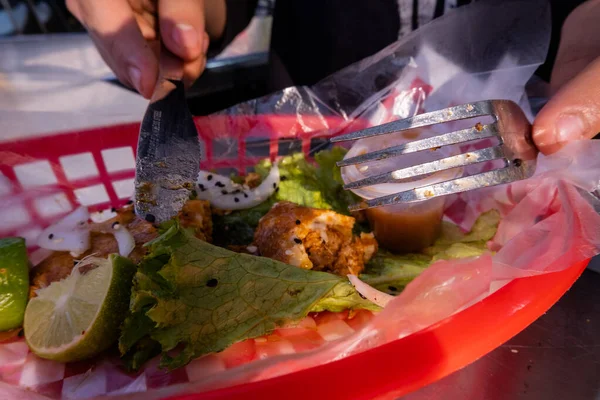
(79, 317)
(14, 282)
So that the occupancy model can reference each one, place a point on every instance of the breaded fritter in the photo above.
(60, 263)
(315, 239)
(197, 214)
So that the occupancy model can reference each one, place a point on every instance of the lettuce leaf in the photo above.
(390, 273)
(317, 185)
(195, 298)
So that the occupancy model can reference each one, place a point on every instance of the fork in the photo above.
(510, 127)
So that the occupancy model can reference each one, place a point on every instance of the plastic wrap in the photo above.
(486, 50)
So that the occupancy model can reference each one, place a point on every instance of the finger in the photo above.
(192, 70)
(577, 46)
(73, 7)
(205, 44)
(113, 27)
(147, 25)
(572, 113)
(182, 27)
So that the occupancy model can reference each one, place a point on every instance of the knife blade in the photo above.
(168, 151)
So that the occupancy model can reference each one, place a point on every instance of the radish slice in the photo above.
(72, 233)
(372, 294)
(225, 194)
(124, 239)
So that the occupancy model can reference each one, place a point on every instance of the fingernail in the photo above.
(135, 77)
(568, 127)
(185, 36)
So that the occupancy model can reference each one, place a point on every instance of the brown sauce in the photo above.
(406, 230)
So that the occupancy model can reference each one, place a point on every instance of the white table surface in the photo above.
(57, 83)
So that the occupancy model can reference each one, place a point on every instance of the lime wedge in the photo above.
(79, 317)
(14, 282)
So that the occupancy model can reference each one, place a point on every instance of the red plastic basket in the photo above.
(388, 371)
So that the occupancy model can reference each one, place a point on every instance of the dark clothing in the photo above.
(313, 38)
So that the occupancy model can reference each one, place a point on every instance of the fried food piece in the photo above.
(55, 267)
(103, 242)
(59, 264)
(315, 239)
(196, 214)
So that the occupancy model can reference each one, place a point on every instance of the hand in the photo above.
(573, 112)
(126, 32)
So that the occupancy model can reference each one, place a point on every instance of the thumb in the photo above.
(573, 113)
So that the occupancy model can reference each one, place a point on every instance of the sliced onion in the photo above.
(71, 233)
(225, 194)
(124, 239)
(39, 255)
(372, 294)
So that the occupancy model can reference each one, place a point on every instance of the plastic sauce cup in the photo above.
(400, 228)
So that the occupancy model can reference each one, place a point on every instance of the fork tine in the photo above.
(472, 110)
(464, 135)
(485, 179)
(461, 160)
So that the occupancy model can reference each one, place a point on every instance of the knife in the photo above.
(168, 151)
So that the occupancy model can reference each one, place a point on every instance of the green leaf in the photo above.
(483, 230)
(390, 273)
(207, 298)
(461, 250)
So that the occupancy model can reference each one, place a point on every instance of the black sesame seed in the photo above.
(236, 199)
(113, 209)
(246, 195)
(201, 186)
(283, 178)
(361, 296)
(203, 189)
(115, 225)
(209, 177)
(150, 218)
(517, 162)
(393, 288)
(274, 185)
(297, 240)
(224, 191)
(219, 184)
(130, 202)
(297, 222)
(51, 236)
(212, 282)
